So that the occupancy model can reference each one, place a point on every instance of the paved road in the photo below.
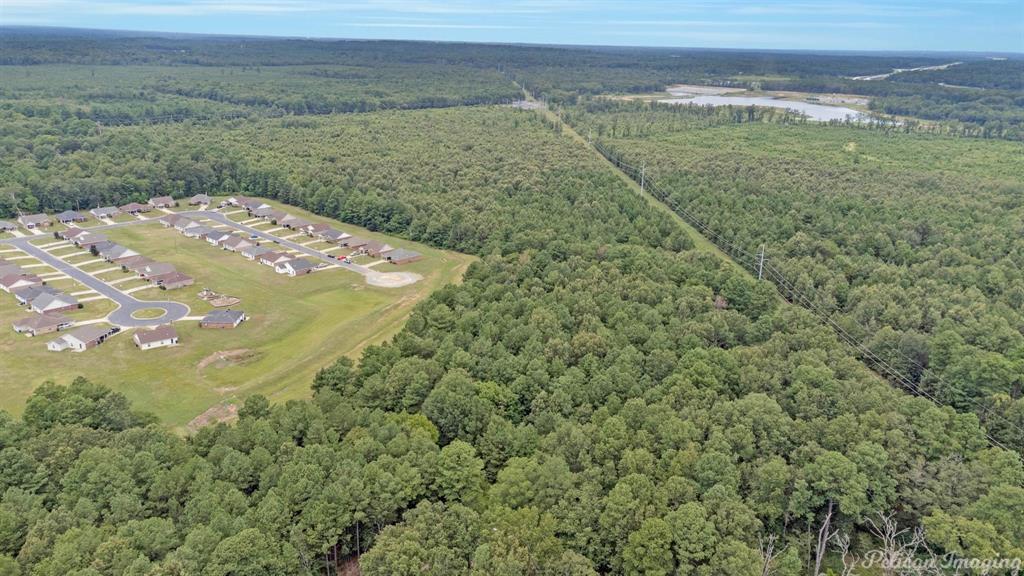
(127, 305)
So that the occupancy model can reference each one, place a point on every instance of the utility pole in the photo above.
(760, 264)
(643, 174)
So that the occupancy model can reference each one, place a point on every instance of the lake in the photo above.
(813, 111)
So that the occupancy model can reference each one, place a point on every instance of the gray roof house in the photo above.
(27, 295)
(295, 267)
(34, 220)
(105, 212)
(197, 231)
(156, 269)
(215, 237)
(254, 252)
(199, 199)
(82, 339)
(6, 226)
(222, 319)
(48, 302)
(402, 256)
(68, 216)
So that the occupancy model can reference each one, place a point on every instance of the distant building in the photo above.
(89, 239)
(182, 224)
(156, 269)
(82, 339)
(169, 220)
(134, 263)
(32, 221)
(215, 237)
(353, 242)
(272, 259)
(333, 236)
(316, 228)
(402, 256)
(116, 252)
(26, 295)
(105, 212)
(222, 319)
(172, 280)
(162, 202)
(375, 249)
(235, 243)
(6, 226)
(197, 231)
(134, 208)
(70, 233)
(295, 267)
(37, 324)
(158, 337)
(70, 217)
(199, 200)
(254, 252)
(53, 302)
(13, 282)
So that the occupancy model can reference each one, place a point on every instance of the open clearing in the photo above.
(296, 326)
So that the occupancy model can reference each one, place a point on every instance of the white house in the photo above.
(158, 337)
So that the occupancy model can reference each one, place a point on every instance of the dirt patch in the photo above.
(224, 301)
(213, 415)
(392, 279)
(224, 358)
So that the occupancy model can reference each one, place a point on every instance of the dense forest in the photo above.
(121, 78)
(911, 241)
(597, 396)
(600, 395)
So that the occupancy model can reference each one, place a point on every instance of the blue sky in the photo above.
(976, 25)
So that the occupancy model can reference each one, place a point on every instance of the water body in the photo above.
(817, 112)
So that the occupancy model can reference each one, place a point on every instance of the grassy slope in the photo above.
(298, 325)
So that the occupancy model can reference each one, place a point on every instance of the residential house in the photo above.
(297, 224)
(402, 256)
(36, 324)
(375, 249)
(333, 236)
(272, 259)
(89, 239)
(53, 302)
(70, 217)
(268, 213)
(117, 252)
(197, 231)
(6, 226)
(199, 200)
(26, 295)
(353, 242)
(253, 252)
(182, 224)
(222, 319)
(215, 237)
(158, 337)
(105, 212)
(162, 202)
(70, 233)
(169, 220)
(235, 243)
(316, 228)
(32, 221)
(135, 208)
(172, 280)
(135, 263)
(13, 282)
(82, 339)
(295, 267)
(155, 269)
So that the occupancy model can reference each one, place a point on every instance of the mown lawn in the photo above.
(296, 326)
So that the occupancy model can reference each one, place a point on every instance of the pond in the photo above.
(817, 112)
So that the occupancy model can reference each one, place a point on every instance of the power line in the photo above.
(758, 264)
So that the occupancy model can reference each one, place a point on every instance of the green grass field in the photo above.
(296, 326)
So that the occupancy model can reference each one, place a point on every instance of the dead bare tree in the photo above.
(824, 536)
(766, 547)
(850, 561)
(898, 544)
